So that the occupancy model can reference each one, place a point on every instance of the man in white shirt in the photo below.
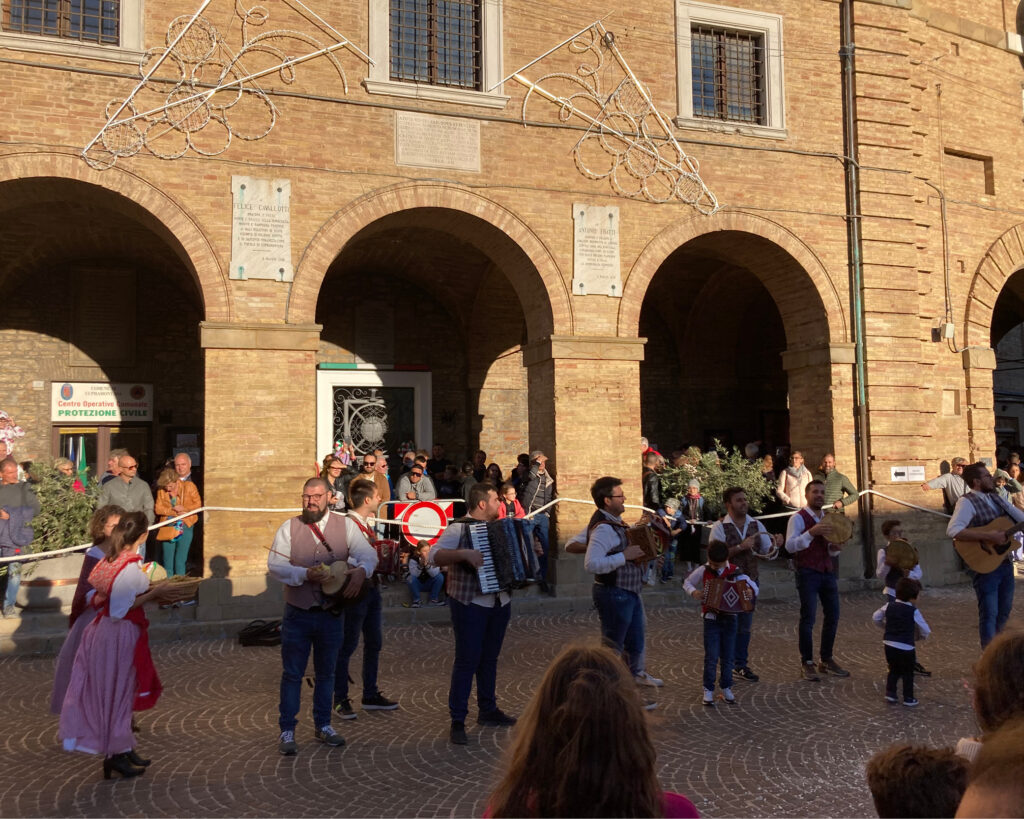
(304, 548)
(807, 539)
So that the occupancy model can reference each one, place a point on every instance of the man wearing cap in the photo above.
(535, 492)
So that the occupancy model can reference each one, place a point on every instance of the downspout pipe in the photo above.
(853, 243)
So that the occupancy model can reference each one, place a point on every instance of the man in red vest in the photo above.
(807, 539)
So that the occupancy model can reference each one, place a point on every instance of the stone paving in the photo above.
(787, 749)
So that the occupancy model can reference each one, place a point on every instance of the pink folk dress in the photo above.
(82, 614)
(113, 671)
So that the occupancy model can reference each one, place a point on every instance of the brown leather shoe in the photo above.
(830, 666)
(808, 674)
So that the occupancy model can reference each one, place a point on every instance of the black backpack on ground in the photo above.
(261, 633)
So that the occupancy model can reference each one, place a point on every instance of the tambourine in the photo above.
(333, 587)
(773, 549)
(842, 527)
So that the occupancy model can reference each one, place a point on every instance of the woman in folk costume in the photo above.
(113, 673)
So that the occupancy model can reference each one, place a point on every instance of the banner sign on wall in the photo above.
(74, 402)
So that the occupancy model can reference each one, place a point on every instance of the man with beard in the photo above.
(479, 620)
(815, 558)
(745, 537)
(369, 472)
(304, 547)
(838, 489)
(979, 507)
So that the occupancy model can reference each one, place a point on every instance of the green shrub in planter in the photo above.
(717, 470)
(64, 517)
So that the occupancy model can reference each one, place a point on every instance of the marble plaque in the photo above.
(595, 251)
(261, 236)
(427, 141)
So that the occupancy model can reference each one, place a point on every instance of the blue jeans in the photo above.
(416, 587)
(813, 586)
(539, 525)
(744, 624)
(995, 600)
(719, 646)
(300, 631)
(13, 579)
(366, 618)
(479, 633)
(668, 569)
(176, 552)
(622, 622)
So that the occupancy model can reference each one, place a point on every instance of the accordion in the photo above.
(727, 596)
(506, 553)
(644, 536)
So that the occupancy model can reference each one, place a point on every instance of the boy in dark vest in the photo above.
(890, 575)
(902, 621)
(719, 626)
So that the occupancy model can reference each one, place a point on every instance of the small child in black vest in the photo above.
(903, 623)
(719, 627)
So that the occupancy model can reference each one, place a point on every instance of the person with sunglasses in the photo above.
(415, 486)
(128, 490)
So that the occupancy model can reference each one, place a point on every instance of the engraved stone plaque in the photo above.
(261, 236)
(595, 251)
(427, 141)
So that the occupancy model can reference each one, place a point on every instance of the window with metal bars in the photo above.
(728, 70)
(88, 21)
(436, 42)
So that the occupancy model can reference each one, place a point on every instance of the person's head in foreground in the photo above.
(996, 786)
(583, 748)
(914, 781)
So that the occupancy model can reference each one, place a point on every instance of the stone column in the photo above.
(260, 433)
(979, 363)
(585, 414)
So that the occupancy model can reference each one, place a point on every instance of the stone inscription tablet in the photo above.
(426, 141)
(595, 251)
(261, 236)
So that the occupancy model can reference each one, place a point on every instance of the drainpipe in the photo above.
(853, 246)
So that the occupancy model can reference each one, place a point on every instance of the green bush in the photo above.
(717, 470)
(64, 517)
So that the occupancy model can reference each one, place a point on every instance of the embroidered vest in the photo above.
(308, 551)
(745, 560)
(816, 555)
(104, 574)
(986, 508)
(629, 576)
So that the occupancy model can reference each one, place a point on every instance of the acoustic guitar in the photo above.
(986, 557)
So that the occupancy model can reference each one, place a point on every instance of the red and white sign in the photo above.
(423, 520)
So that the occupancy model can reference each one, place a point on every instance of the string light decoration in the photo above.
(628, 141)
(197, 94)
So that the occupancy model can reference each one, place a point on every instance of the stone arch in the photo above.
(525, 260)
(1004, 257)
(675, 236)
(168, 218)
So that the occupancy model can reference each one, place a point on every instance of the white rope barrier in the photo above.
(412, 524)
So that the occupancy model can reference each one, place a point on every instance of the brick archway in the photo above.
(167, 218)
(833, 319)
(1004, 257)
(507, 240)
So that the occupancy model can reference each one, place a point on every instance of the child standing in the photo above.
(673, 518)
(902, 621)
(890, 575)
(719, 627)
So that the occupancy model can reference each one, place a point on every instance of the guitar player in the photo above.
(973, 512)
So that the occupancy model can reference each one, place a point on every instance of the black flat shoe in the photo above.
(135, 759)
(120, 764)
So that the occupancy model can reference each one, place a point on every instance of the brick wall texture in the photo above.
(744, 317)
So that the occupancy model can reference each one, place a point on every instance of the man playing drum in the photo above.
(809, 539)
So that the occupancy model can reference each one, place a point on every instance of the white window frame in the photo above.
(768, 26)
(380, 82)
(130, 46)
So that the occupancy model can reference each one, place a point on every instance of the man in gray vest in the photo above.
(304, 547)
(975, 510)
(746, 538)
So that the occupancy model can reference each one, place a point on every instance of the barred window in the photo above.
(436, 42)
(88, 21)
(728, 73)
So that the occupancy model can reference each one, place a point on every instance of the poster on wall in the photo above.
(76, 402)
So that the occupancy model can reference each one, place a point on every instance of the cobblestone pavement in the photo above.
(788, 748)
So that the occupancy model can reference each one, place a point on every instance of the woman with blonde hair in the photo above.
(583, 747)
(176, 497)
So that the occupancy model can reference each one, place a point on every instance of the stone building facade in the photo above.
(443, 266)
